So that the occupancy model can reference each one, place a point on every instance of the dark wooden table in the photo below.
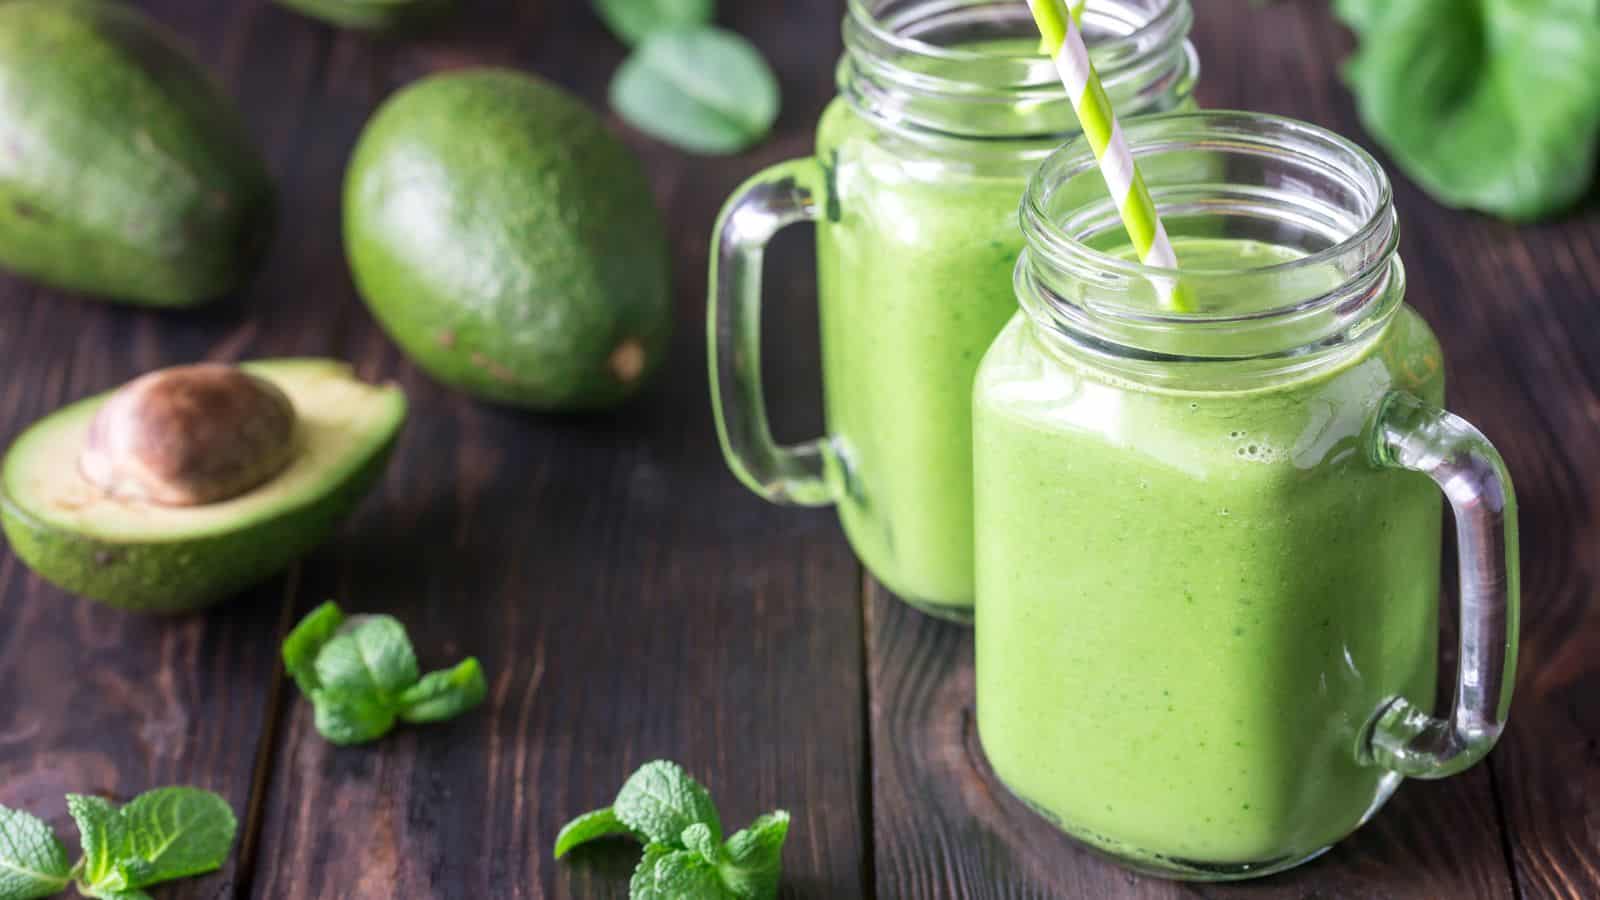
(630, 600)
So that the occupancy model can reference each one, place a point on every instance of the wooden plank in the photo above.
(1528, 367)
(97, 701)
(629, 600)
(943, 827)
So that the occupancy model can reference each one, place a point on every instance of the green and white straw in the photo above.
(1063, 43)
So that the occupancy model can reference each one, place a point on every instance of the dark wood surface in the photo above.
(629, 600)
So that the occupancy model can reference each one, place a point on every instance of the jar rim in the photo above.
(1170, 21)
(909, 66)
(1044, 237)
(1260, 177)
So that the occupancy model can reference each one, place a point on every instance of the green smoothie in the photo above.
(914, 282)
(1191, 602)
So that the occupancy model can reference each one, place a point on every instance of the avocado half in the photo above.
(145, 557)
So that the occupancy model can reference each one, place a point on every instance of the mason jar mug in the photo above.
(1207, 541)
(944, 109)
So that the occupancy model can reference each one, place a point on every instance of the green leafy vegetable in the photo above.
(589, 827)
(301, 647)
(642, 886)
(1489, 104)
(753, 857)
(160, 836)
(679, 875)
(177, 832)
(635, 20)
(370, 655)
(361, 676)
(102, 834)
(684, 855)
(660, 800)
(699, 839)
(349, 717)
(33, 863)
(703, 89)
(444, 694)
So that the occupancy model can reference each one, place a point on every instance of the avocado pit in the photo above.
(189, 436)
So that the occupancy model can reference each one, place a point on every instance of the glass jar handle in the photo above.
(782, 195)
(1414, 435)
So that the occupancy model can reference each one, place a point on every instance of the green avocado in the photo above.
(124, 172)
(508, 242)
(146, 557)
(375, 15)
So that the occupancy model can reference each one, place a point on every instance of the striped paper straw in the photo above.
(1063, 42)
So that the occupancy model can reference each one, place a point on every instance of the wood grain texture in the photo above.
(1526, 362)
(628, 599)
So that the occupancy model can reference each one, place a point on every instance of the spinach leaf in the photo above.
(1489, 104)
(635, 20)
(703, 89)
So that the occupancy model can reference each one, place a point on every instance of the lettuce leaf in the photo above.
(1491, 105)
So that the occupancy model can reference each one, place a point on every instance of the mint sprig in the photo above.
(684, 856)
(159, 836)
(361, 675)
(33, 863)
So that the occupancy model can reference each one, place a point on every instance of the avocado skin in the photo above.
(192, 574)
(372, 15)
(508, 242)
(125, 173)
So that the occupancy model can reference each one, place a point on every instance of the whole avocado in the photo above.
(508, 242)
(125, 172)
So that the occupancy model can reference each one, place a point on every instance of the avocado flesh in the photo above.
(149, 558)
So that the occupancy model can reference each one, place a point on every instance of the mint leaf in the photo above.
(103, 834)
(361, 675)
(588, 827)
(634, 20)
(352, 717)
(667, 874)
(701, 88)
(444, 694)
(660, 800)
(642, 886)
(686, 874)
(753, 858)
(132, 871)
(370, 655)
(301, 647)
(684, 856)
(33, 863)
(697, 838)
(176, 832)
